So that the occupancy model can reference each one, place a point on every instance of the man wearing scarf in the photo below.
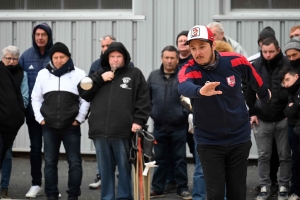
(10, 58)
(59, 109)
(270, 120)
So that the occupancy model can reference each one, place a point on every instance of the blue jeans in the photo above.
(97, 147)
(199, 186)
(6, 169)
(36, 143)
(70, 137)
(114, 152)
(176, 141)
(294, 144)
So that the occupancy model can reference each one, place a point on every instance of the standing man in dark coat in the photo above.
(120, 105)
(12, 110)
(269, 119)
(170, 124)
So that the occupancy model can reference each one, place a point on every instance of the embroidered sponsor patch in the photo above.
(125, 80)
(231, 80)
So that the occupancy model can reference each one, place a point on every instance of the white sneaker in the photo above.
(283, 193)
(59, 195)
(294, 197)
(95, 185)
(33, 191)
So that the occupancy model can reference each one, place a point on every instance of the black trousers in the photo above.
(225, 165)
(274, 163)
(6, 141)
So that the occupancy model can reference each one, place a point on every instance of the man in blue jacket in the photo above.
(170, 124)
(33, 60)
(222, 129)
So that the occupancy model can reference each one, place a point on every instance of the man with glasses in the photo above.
(33, 60)
(13, 104)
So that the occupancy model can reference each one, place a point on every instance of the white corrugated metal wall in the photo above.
(157, 25)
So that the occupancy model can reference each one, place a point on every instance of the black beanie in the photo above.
(266, 33)
(59, 47)
(180, 34)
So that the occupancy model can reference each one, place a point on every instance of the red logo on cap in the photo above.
(195, 32)
(231, 80)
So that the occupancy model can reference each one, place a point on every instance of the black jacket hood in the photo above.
(115, 46)
(48, 30)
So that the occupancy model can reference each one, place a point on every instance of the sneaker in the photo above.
(274, 190)
(96, 184)
(294, 197)
(4, 193)
(154, 195)
(264, 194)
(59, 195)
(33, 191)
(283, 193)
(170, 188)
(185, 195)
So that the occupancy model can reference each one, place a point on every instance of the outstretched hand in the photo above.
(209, 89)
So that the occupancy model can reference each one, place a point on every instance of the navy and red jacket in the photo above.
(221, 120)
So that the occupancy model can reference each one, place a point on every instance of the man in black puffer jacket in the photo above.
(269, 118)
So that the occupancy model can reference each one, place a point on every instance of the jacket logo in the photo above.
(230, 80)
(30, 67)
(124, 85)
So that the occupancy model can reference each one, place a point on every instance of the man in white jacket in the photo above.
(60, 110)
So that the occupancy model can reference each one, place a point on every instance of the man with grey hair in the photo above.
(218, 31)
(12, 115)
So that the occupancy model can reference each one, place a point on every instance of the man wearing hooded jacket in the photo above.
(120, 105)
(33, 60)
(270, 120)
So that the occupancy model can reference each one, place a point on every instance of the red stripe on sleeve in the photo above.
(229, 54)
(243, 61)
(184, 75)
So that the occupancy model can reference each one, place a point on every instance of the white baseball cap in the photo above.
(200, 32)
